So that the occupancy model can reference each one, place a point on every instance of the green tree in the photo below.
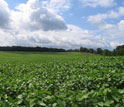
(99, 51)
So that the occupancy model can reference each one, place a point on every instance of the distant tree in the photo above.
(91, 50)
(84, 49)
(99, 51)
(114, 52)
(106, 52)
(31, 49)
(120, 47)
(119, 51)
(81, 49)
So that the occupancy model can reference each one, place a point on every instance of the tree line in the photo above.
(30, 49)
(119, 51)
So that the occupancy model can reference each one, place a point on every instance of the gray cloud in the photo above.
(4, 15)
(43, 19)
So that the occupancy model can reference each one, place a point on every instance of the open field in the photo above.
(60, 80)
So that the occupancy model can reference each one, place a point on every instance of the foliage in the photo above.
(61, 80)
(119, 51)
(30, 49)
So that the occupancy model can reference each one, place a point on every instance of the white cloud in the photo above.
(112, 30)
(121, 25)
(99, 18)
(109, 31)
(121, 11)
(115, 44)
(101, 3)
(57, 5)
(74, 37)
(32, 16)
(6, 38)
(4, 14)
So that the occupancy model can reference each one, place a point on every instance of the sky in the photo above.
(62, 23)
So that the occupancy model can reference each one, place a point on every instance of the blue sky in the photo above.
(13, 3)
(63, 23)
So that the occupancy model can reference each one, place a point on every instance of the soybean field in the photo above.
(67, 79)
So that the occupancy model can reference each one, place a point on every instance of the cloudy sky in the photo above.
(62, 23)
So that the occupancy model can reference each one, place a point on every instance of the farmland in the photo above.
(61, 80)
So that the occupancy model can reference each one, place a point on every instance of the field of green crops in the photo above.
(61, 80)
